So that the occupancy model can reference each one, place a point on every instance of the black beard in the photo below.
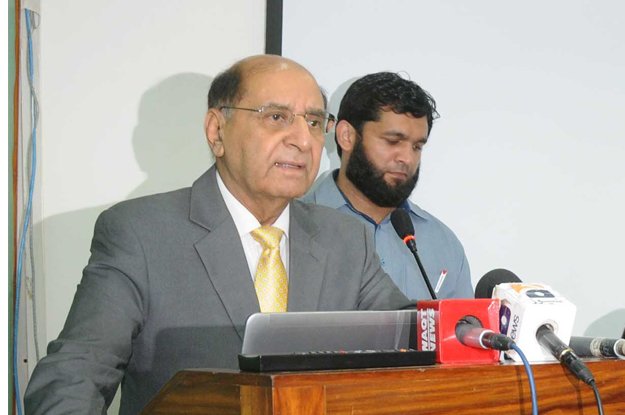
(370, 181)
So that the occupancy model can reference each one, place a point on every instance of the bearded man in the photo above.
(384, 121)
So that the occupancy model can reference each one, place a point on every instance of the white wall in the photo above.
(123, 96)
(526, 162)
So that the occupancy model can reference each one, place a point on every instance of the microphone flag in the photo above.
(436, 328)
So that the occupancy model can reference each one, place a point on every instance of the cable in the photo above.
(33, 296)
(35, 121)
(593, 385)
(530, 377)
(28, 210)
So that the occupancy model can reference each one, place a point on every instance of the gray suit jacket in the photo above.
(168, 287)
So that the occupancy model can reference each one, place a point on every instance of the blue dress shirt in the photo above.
(439, 249)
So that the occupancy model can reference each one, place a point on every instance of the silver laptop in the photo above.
(282, 333)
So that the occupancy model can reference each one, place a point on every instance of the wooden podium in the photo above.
(440, 389)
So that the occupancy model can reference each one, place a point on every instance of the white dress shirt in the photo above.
(246, 223)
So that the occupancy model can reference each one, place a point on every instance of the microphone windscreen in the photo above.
(402, 223)
(485, 286)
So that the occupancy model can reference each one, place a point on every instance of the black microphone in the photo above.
(598, 347)
(486, 285)
(548, 339)
(404, 228)
(470, 332)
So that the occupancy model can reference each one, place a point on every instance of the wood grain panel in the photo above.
(441, 389)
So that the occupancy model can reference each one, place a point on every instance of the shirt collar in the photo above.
(243, 219)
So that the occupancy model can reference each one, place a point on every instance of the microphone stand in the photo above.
(425, 277)
(409, 240)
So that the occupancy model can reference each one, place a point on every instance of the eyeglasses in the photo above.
(279, 118)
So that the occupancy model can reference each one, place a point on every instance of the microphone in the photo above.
(598, 347)
(537, 318)
(524, 308)
(460, 330)
(527, 307)
(403, 226)
(469, 331)
(548, 340)
(486, 285)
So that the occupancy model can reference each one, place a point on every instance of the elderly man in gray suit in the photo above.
(172, 277)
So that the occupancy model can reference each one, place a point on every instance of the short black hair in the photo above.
(225, 90)
(373, 93)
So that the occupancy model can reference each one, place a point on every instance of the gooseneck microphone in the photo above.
(598, 347)
(404, 228)
(548, 339)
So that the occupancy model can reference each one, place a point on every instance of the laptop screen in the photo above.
(280, 333)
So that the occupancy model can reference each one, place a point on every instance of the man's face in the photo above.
(260, 163)
(384, 162)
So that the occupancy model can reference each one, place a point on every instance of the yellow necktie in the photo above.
(270, 281)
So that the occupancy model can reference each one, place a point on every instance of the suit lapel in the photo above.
(307, 262)
(221, 251)
(223, 257)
